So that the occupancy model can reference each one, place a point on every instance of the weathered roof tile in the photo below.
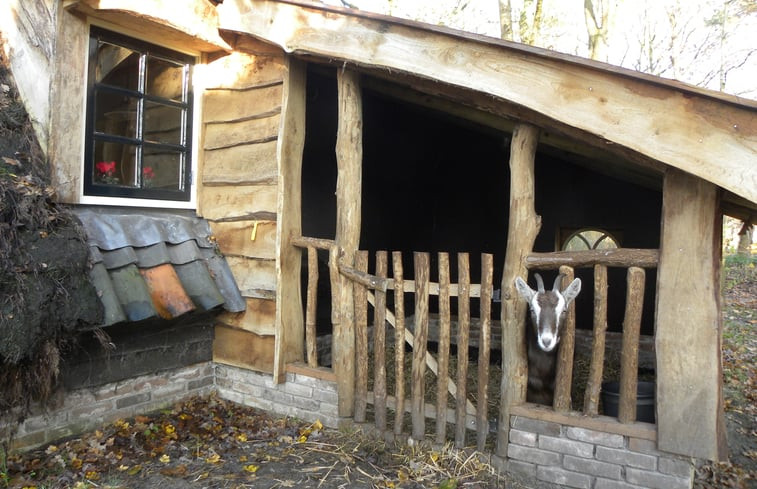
(151, 263)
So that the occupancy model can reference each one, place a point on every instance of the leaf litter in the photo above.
(209, 442)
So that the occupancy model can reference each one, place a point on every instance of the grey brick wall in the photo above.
(577, 457)
(87, 409)
(303, 397)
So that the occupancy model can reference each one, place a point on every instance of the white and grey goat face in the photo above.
(548, 308)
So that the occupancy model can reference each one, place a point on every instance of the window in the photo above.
(589, 239)
(139, 120)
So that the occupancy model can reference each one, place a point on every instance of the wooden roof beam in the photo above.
(706, 134)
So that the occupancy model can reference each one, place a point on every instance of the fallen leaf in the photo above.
(165, 458)
(178, 471)
(213, 459)
(252, 468)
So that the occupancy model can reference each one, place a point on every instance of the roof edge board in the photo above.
(703, 133)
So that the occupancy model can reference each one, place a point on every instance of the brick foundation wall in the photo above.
(578, 457)
(302, 396)
(86, 409)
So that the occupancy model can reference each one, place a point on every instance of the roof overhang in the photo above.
(708, 134)
(194, 24)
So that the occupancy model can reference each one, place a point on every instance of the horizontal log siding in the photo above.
(238, 192)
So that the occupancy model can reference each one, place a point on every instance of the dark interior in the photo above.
(433, 182)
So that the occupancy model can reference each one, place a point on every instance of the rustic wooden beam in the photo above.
(463, 322)
(618, 257)
(422, 271)
(629, 352)
(289, 325)
(311, 307)
(361, 340)
(596, 368)
(399, 342)
(688, 320)
(698, 131)
(444, 346)
(523, 226)
(564, 375)
(379, 347)
(482, 402)
(349, 158)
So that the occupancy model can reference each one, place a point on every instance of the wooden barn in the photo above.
(359, 170)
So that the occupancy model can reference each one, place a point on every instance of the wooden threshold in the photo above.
(321, 373)
(606, 424)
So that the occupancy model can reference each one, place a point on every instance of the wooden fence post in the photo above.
(523, 226)
(444, 346)
(349, 158)
(594, 384)
(419, 346)
(399, 341)
(484, 345)
(463, 330)
(361, 340)
(629, 351)
(564, 377)
(379, 347)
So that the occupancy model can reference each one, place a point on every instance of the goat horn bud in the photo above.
(539, 283)
(558, 282)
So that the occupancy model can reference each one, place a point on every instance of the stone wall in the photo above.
(86, 409)
(303, 396)
(578, 457)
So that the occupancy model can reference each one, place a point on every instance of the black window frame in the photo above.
(97, 189)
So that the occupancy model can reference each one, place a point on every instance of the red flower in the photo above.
(147, 173)
(106, 168)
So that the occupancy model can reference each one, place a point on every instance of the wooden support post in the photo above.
(422, 265)
(379, 347)
(444, 343)
(463, 333)
(564, 376)
(361, 340)
(349, 159)
(312, 307)
(523, 226)
(484, 346)
(289, 327)
(399, 341)
(594, 384)
(688, 320)
(629, 353)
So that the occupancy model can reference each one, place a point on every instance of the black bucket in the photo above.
(644, 400)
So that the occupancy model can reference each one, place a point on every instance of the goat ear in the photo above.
(571, 292)
(524, 290)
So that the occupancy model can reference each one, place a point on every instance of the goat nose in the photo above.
(547, 341)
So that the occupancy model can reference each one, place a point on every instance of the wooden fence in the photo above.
(373, 288)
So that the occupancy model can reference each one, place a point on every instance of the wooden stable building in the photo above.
(304, 134)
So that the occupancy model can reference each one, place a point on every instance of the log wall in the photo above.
(238, 193)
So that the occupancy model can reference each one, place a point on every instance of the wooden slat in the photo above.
(235, 238)
(564, 375)
(361, 340)
(422, 265)
(243, 349)
(259, 317)
(253, 274)
(241, 70)
(482, 405)
(629, 355)
(463, 318)
(254, 130)
(246, 164)
(233, 105)
(349, 159)
(594, 383)
(444, 344)
(311, 307)
(379, 347)
(617, 257)
(318, 243)
(399, 342)
(523, 226)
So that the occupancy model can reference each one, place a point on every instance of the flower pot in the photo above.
(645, 396)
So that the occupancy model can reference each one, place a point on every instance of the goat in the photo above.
(548, 310)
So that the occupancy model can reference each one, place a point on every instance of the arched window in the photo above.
(590, 239)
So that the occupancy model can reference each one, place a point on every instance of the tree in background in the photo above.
(598, 17)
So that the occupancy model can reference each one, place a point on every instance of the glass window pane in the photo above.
(115, 164)
(165, 79)
(117, 66)
(161, 169)
(115, 114)
(163, 123)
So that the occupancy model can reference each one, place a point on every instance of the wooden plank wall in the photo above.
(238, 192)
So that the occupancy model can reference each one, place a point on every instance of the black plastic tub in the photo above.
(645, 393)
